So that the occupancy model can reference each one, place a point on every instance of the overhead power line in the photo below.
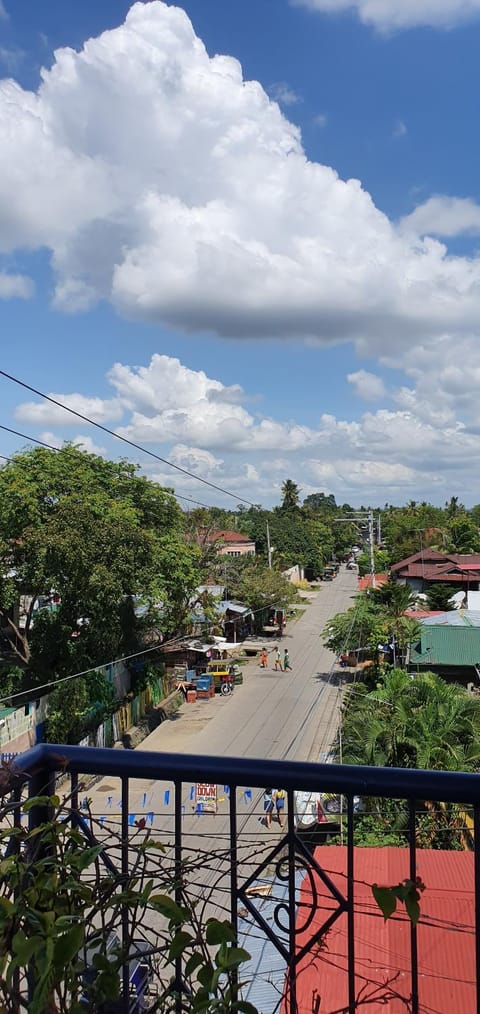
(118, 436)
(51, 447)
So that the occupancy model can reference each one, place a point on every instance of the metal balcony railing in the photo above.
(226, 860)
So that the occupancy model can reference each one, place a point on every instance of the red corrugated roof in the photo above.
(433, 561)
(421, 614)
(446, 935)
(431, 573)
(226, 535)
(425, 554)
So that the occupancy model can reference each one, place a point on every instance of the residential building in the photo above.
(431, 567)
(228, 542)
(449, 645)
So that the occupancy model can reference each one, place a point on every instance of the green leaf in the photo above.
(412, 906)
(24, 947)
(385, 900)
(168, 907)
(205, 975)
(85, 858)
(179, 943)
(67, 946)
(193, 962)
(234, 957)
(219, 932)
(37, 801)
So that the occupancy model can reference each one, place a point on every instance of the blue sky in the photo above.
(153, 205)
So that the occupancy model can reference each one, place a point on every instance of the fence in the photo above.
(127, 715)
(229, 859)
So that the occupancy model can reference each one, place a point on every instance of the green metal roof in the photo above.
(447, 645)
(6, 712)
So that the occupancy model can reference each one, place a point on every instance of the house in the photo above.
(449, 645)
(229, 543)
(445, 934)
(431, 567)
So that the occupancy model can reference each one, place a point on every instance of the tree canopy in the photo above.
(89, 533)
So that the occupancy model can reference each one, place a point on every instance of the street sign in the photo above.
(205, 798)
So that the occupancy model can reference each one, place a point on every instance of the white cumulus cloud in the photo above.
(44, 413)
(15, 286)
(444, 216)
(284, 93)
(389, 15)
(367, 385)
(164, 182)
(423, 447)
(81, 440)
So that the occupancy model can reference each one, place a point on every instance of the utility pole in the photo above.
(269, 548)
(371, 545)
(379, 530)
(359, 517)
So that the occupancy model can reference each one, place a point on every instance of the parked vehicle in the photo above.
(228, 671)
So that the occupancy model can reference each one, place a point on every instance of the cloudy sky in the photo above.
(246, 236)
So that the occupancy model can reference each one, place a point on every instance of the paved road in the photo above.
(290, 716)
(277, 715)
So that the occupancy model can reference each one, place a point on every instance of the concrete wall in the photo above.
(294, 574)
(241, 549)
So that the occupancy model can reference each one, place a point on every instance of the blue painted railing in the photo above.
(162, 786)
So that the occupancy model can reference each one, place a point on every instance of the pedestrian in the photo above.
(278, 660)
(264, 658)
(280, 795)
(286, 661)
(268, 806)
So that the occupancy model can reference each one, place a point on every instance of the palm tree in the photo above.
(396, 600)
(291, 494)
(420, 722)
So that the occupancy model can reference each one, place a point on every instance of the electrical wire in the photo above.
(51, 447)
(94, 668)
(118, 436)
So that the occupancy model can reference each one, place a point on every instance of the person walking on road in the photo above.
(264, 658)
(286, 661)
(268, 805)
(278, 660)
(280, 795)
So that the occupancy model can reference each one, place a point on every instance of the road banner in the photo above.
(205, 798)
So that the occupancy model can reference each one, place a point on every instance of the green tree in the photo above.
(320, 502)
(439, 595)
(260, 587)
(295, 536)
(93, 532)
(420, 722)
(381, 561)
(291, 495)
(362, 626)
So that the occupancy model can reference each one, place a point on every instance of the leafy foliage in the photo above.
(439, 595)
(291, 495)
(95, 533)
(250, 580)
(407, 892)
(419, 722)
(61, 912)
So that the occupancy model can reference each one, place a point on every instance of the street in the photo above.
(292, 716)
